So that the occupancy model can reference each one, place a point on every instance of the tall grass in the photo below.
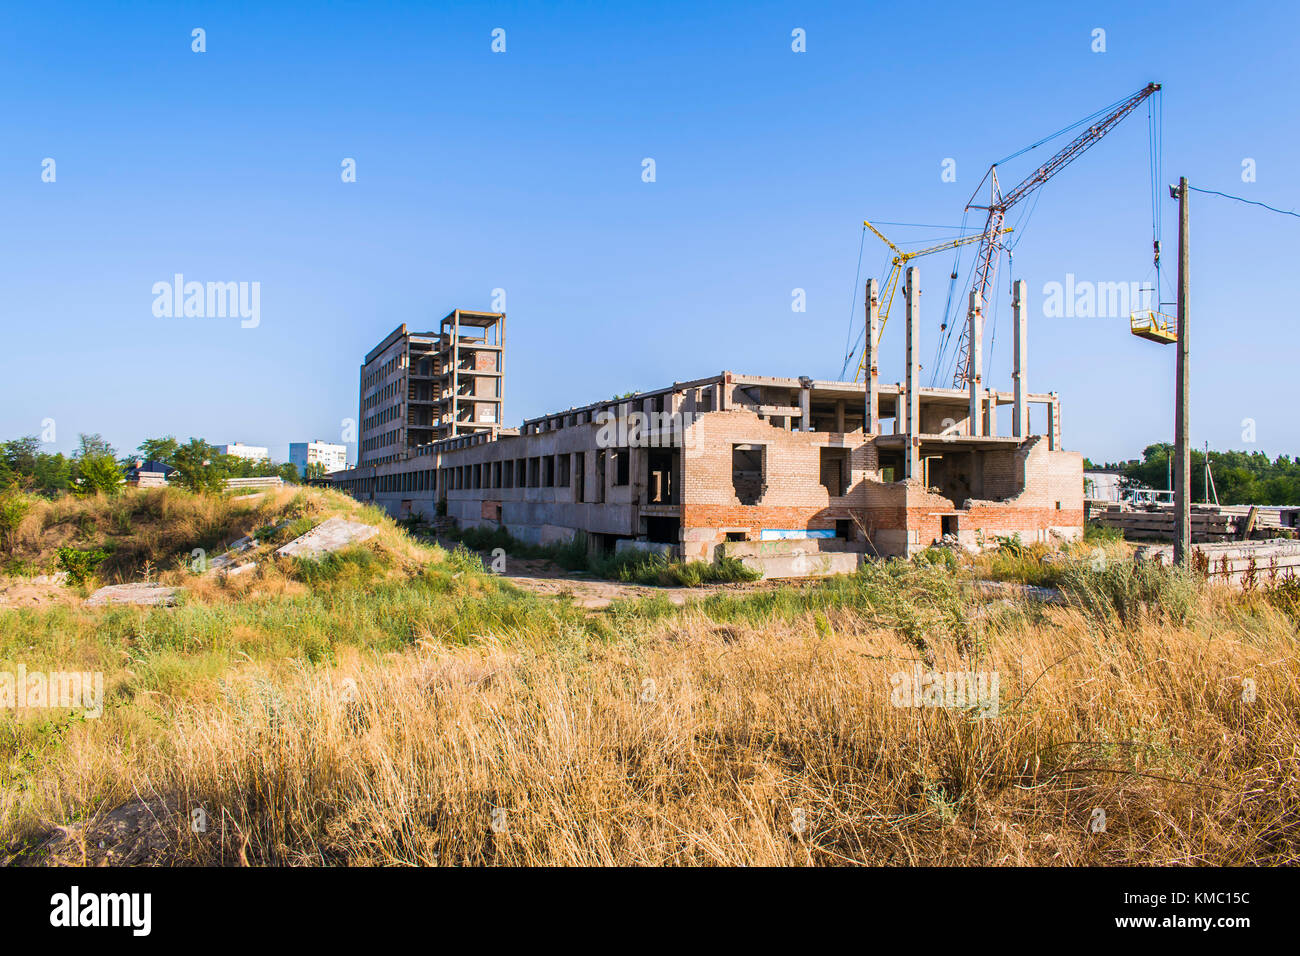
(690, 742)
(394, 704)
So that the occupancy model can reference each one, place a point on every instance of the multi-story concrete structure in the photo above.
(240, 450)
(422, 387)
(793, 475)
(332, 457)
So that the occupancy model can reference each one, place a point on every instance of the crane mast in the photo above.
(990, 247)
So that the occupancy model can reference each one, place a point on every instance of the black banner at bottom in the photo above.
(333, 906)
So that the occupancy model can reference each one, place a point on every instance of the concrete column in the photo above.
(975, 376)
(991, 412)
(912, 292)
(805, 409)
(870, 359)
(1020, 353)
(1054, 423)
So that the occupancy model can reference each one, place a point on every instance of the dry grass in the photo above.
(156, 529)
(397, 705)
(704, 737)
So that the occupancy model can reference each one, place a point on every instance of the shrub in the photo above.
(936, 557)
(1126, 589)
(13, 509)
(80, 565)
(632, 566)
(641, 567)
(98, 474)
(1095, 533)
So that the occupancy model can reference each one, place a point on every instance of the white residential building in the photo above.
(240, 450)
(303, 453)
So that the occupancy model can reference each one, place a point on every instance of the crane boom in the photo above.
(986, 258)
(901, 259)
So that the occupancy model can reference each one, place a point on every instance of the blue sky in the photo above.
(522, 171)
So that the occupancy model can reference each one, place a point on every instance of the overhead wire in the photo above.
(1252, 202)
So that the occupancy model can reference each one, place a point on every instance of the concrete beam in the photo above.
(912, 293)
(871, 360)
(1020, 353)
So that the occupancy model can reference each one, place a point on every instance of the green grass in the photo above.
(1094, 533)
(632, 567)
(1125, 591)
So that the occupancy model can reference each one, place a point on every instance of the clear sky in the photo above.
(523, 171)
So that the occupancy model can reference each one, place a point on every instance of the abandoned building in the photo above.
(791, 475)
(418, 388)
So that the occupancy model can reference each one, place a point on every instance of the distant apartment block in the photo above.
(332, 456)
(421, 387)
(240, 450)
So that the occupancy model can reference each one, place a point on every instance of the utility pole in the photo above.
(1182, 438)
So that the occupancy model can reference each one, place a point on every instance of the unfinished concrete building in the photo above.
(791, 475)
(421, 387)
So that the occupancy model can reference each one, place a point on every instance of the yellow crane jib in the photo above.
(901, 259)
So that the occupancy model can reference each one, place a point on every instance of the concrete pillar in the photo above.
(1054, 423)
(991, 412)
(912, 292)
(805, 409)
(870, 359)
(974, 375)
(1020, 353)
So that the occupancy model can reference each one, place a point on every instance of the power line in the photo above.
(1215, 192)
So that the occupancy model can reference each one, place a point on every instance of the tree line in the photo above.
(96, 468)
(1240, 478)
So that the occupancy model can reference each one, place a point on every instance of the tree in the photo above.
(1240, 478)
(94, 444)
(315, 469)
(98, 473)
(199, 468)
(53, 473)
(159, 449)
(19, 454)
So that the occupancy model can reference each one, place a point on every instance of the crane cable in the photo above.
(1155, 158)
(853, 304)
(945, 330)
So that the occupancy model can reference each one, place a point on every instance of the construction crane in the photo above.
(901, 259)
(986, 258)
